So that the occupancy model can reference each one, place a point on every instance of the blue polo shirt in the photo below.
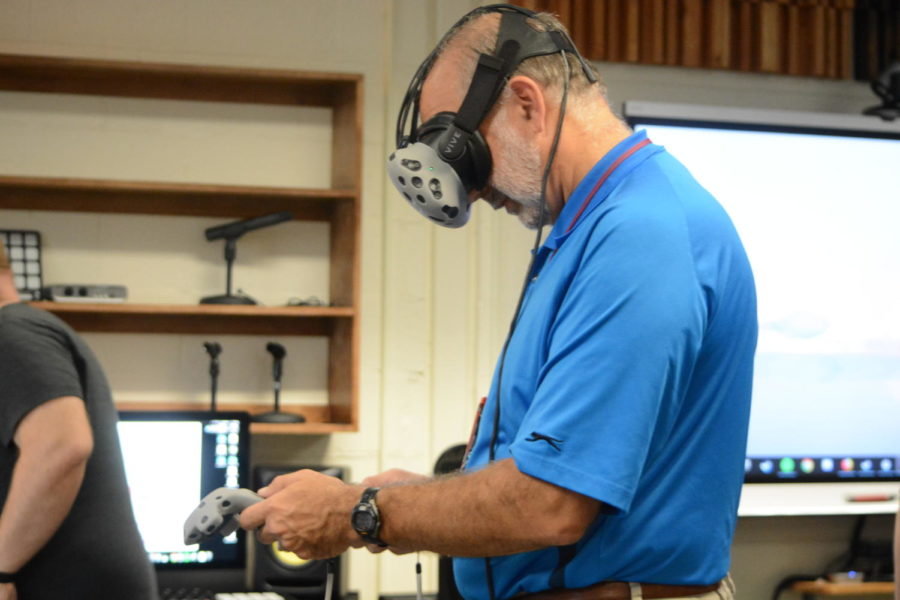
(627, 379)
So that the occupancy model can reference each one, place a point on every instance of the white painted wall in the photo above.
(435, 303)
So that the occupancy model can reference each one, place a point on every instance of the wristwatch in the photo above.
(366, 519)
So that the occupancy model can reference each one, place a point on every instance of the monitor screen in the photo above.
(816, 201)
(172, 460)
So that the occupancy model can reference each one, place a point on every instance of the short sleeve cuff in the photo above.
(536, 464)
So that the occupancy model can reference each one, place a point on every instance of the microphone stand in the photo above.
(230, 232)
(213, 349)
(276, 416)
(228, 297)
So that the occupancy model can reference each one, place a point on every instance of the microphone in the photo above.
(231, 232)
(236, 229)
(278, 353)
(214, 349)
(277, 416)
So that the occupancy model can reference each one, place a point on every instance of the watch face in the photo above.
(363, 520)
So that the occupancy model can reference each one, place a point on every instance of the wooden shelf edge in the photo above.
(317, 416)
(167, 187)
(827, 588)
(168, 198)
(208, 83)
(302, 428)
(11, 60)
(195, 310)
(199, 319)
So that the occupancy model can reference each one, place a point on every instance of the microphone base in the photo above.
(278, 417)
(228, 299)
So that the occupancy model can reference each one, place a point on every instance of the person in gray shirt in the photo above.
(67, 528)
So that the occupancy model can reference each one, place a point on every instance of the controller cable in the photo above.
(329, 578)
(495, 434)
(419, 595)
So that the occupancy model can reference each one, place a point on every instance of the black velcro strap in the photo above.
(563, 42)
(538, 43)
(516, 41)
(490, 73)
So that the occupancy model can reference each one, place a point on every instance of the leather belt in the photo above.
(619, 590)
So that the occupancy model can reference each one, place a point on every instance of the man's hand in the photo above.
(307, 512)
(8, 591)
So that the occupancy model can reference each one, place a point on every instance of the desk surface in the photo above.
(825, 588)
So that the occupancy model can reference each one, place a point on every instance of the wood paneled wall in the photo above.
(793, 37)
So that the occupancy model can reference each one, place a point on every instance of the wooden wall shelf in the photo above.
(199, 319)
(319, 419)
(155, 198)
(173, 81)
(338, 205)
(811, 589)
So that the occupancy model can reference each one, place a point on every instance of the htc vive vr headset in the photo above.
(436, 165)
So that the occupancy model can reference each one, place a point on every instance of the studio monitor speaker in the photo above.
(284, 572)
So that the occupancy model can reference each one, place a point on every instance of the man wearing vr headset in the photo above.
(607, 461)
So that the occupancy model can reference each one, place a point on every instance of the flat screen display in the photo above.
(172, 460)
(816, 201)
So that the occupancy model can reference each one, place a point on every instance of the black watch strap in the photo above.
(366, 519)
(7, 577)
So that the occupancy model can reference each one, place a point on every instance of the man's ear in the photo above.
(527, 103)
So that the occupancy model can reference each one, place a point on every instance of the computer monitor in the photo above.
(815, 198)
(172, 460)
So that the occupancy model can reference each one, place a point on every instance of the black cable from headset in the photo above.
(411, 105)
(489, 572)
(537, 243)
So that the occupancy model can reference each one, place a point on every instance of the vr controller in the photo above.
(218, 513)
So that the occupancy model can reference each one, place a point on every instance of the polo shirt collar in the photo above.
(561, 229)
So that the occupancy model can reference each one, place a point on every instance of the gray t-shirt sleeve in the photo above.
(36, 365)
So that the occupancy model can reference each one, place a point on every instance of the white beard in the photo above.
(517, 175)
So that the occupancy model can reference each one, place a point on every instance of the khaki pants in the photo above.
(725, 592)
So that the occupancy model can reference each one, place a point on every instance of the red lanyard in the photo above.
(603, 178)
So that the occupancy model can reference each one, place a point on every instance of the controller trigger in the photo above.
(217, 513)
(229, 527)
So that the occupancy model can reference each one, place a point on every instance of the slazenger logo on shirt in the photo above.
(540, 437)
